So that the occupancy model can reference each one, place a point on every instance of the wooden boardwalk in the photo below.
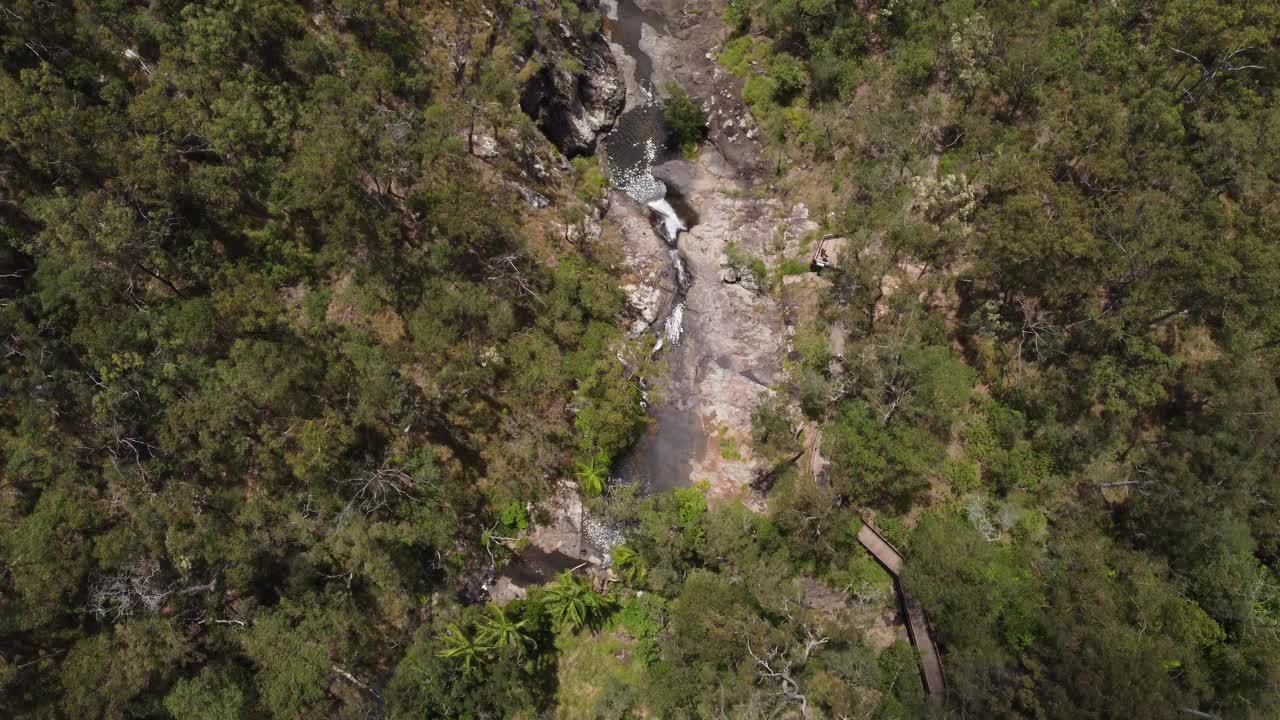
(917, 624)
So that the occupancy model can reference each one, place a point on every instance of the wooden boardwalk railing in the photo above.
(917, 624)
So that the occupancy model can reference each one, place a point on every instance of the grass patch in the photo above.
(739, 54)
(643, 617)
(600, 675)
(729, 445)
(793, 266)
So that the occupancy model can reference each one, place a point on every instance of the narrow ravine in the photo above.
(722, 341)
(660, 460)
(732, 338)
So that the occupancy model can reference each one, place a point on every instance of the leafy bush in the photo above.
(793, 266)
(686, 120)
(728, 445)
(690, 509)
(513, 517)
(771, 423)
(895, 530)
(589, 180)
(643, 617)
(873, 462)
(789, 77)
(961, 474)
(741, 53)
(811, 342)
(914, 64)
(737, 15)
(747, 263)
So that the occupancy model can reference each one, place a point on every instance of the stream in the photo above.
(719, 340)
(662, 458)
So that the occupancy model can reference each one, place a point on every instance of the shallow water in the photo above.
(628, 29)
(662, 458)
(535, 566)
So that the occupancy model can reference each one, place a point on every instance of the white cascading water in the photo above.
(675, 323)
(671, 222)
(632, 149)
(682, 276)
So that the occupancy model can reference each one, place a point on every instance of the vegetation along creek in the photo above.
(532, 359)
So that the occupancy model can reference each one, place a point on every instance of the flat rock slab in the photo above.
(732, 340)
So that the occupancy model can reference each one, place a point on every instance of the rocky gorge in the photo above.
(721, 334)
(731, 337)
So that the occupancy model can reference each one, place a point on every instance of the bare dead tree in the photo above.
(505, 268)
(777, 666)
(1036, 331)
(375, 488)
(342, 672)
(788, 689)
(138, 588)
(976, 510)
(865, 594)
(1227, 63)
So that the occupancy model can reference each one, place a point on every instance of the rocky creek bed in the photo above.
(722, 338)
(731, 338)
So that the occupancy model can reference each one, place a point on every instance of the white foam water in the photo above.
(675, 324)
(682, 277)
(671, 222)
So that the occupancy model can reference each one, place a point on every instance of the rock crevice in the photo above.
(576, 98)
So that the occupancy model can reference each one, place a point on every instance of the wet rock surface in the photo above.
(650, 283)
(732, 340)
(733, 335)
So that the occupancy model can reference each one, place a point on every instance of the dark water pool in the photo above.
(535, 566)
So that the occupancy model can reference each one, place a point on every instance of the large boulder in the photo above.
(576, 102)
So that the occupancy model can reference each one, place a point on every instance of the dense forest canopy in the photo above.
(1082, 198)
(289, 362)
(276, 349)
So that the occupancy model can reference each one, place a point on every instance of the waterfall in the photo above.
(682, 274)
(675, 323)
(636, 143)
(671, 222)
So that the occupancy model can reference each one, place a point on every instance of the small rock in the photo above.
(533, 197)
(728, 273)
(484, 146)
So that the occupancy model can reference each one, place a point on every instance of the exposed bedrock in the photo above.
(575, 102)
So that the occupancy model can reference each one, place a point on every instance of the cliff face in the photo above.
(577, 94)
